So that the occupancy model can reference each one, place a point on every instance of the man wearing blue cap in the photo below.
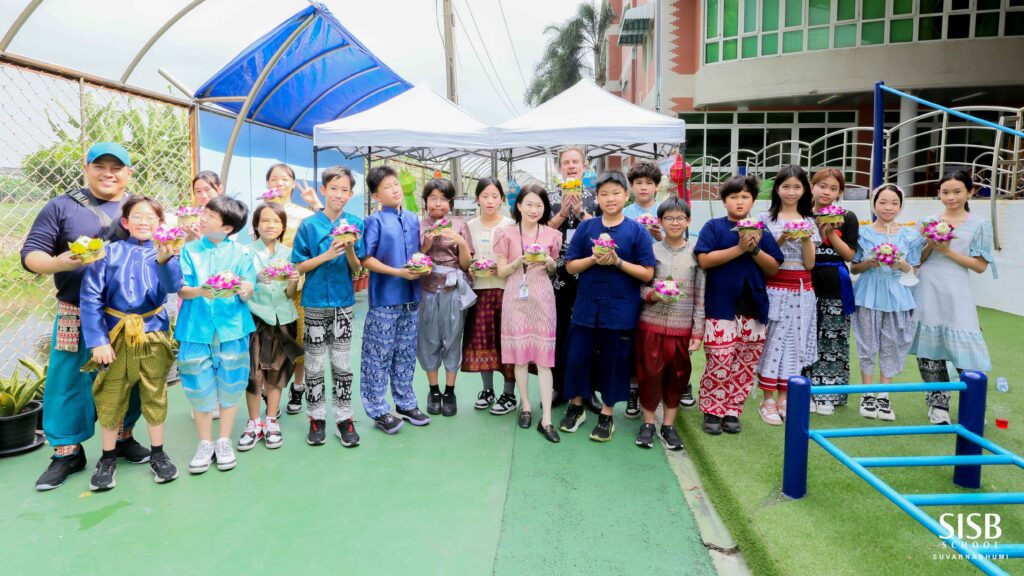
(69, 415)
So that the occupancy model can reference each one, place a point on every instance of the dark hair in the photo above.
(541, 193)
(737, 184)
(277, 209)
(645, 169)
(673, 204)
(886, 188)
(804, 206)
(134, 201)
(962, 177)
(209, 177)
(232, 212)
(445, 186)
(337, 172)
(611, 177)
(376, 175)
(280, 165)
(829, 173)
(488, 181)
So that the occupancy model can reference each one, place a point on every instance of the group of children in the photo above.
(768, 298)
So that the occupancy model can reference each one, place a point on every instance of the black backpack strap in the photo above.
(109, 228)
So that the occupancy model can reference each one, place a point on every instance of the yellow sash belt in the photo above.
(133, 325)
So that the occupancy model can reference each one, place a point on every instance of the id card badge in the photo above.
(524, 291)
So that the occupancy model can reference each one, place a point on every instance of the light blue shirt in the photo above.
(880, 288)
(634, 211)
(269, 301)
(201, 319)
(329, 285)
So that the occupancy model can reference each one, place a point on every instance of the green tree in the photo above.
(156, 136)
(573, 50)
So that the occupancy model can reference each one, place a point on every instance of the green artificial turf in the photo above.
(843, 525)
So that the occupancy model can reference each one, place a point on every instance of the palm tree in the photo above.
(573, 50)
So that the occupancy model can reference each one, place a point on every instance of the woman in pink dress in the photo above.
(528, 305)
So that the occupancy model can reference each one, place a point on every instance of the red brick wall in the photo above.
(684, 27)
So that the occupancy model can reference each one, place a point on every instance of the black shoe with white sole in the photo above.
(163, 469)
(670, 438)
(633, 404)
(484, 400)
(105, 476)
(505, 404)
(317, 432)
(574, 417)
(60, 469)
(346, 431)
(645, 437)
(413, 416)
(294, 405)
(687, 401)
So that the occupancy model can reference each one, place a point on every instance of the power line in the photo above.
(519, 67)
(487, 75)
(487, 53)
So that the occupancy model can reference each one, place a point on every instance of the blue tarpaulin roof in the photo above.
(325, 74)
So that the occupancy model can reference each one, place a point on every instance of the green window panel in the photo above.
(846, 36)
(929, 28)
(793, 42)
(819, 12)
(1014, 24)
(769, 15)
(750, 15)
(903, 6)
(817, 38)
(780, 117)
(769, 44)
(794, 12)
(932, 6)
(872, 33)
(720, 118)
(711, 53)
(750, 47)
(712, 19)
(731, 19)
(812, 117)
(692, 118)
(988, 4)
(750, 118)
(846, 10)
(986, 25)
(728, 50)
(901, 30)
(870, 9)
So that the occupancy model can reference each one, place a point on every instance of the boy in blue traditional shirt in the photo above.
(329, 264)
(126, 327)
(214, 332)
(607, 305)
(389, 336)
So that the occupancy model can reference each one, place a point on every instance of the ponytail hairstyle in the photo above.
(962, 177)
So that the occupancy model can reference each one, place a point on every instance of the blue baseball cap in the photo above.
(108, 149)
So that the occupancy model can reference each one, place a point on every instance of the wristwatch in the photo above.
(755, 251)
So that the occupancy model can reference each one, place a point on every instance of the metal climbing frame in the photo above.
(967, 462)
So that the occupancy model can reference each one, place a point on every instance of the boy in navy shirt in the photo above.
(607, 305)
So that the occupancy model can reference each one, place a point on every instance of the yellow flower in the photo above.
(78, 249)
(95, 244)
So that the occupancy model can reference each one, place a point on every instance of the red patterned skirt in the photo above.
(481, 341)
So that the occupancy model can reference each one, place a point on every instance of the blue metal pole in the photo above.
(798, 422)
(971, 416)
(877, 150)
(901, 387)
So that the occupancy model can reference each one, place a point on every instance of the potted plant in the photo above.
(19, 413)
(40, 373)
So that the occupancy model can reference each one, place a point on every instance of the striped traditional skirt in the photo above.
(481, 341)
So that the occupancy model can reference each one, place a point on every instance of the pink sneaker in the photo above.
(769, 413)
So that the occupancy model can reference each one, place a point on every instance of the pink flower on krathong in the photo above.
(188, 212)
(668, 289)
(937, 231)
(886, 253)
(344, 227)
(749, 224)
(166, 235)
(798, 227)
(605, 241)
(483, 264)
(272, 194)
(831, 210)
(420, 260)
(647, 220)
(534, 249)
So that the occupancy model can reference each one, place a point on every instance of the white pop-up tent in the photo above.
(588, 115)
(419, 123)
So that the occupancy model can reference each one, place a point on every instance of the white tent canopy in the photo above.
(419, 123)
(588, 115)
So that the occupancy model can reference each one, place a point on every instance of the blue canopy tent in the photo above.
(306, 71)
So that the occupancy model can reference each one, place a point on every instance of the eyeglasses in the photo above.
(140, 219)
(675, 219)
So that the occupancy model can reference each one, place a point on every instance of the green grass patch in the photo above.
(844, 526)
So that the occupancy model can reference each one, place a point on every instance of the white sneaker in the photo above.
(824, 408)
(272, 433)
(225, 454)
(204, 456)
(251, 436)
(813, 407)
(769, 413)
(937, 415)
(868, 407)
(885, 410)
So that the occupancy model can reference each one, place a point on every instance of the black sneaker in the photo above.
(670, 439)
(604, 429)
(294, 405)
(163, 469)
(506, 404)
(347, 432)
(59, 469)
(633, 404)
(414, 416)
(132, 451)
(317, 432)
(433, 402)
(645, 437)
(448, 406)
(574, 417)
(731, 425)
(687, 400)
(549, 432)
(712, 424)
(104, 478)
(484, 400)
(388, 423)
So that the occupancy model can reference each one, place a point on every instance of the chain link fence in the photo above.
(47, 123)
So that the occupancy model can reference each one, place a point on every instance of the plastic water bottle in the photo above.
(1000, 404)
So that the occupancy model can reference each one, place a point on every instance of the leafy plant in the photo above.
(16, 392)
(573, 50)
(38, 371)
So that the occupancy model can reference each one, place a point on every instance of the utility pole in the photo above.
(453, 87)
